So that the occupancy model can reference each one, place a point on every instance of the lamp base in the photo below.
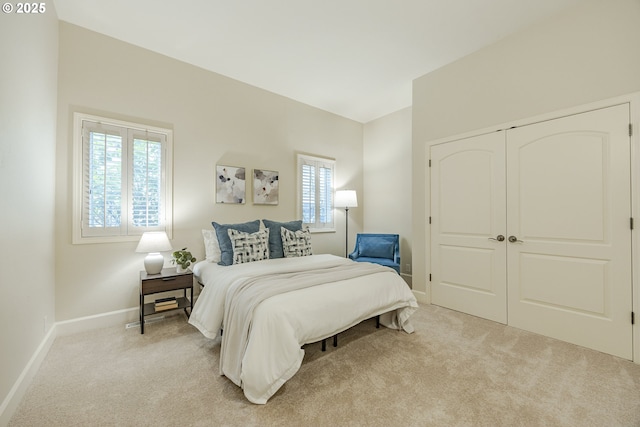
(153, 263)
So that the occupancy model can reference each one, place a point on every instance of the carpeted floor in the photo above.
(455, 370)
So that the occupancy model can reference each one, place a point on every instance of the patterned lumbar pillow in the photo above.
(248, 247)
(295, 243)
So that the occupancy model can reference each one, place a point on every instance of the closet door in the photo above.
(568, 229)
(468, 226)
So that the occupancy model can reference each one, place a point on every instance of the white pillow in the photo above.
(295, 243)
(211, 246)
(249, 247)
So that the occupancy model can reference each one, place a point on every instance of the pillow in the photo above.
(275, 239)
(226, 251)
(295, 243)
(249, 247)
(211, 246)
(376, 247)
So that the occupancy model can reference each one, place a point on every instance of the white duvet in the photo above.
(263, 334)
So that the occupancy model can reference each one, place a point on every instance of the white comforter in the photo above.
(261, 349)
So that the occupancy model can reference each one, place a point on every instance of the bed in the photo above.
(269, 309)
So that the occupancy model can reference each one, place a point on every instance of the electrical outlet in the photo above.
(45, 324)
(408, 267)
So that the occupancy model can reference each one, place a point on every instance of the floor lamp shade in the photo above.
(346, 199)
(152, 243)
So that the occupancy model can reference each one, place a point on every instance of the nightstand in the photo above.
(166, 280)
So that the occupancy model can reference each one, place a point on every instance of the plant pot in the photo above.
(180, 269)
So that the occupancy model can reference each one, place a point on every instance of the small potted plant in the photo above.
(182, 259)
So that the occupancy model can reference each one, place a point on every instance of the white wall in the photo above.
(585, 54)
(216, 120)
(386, 201)
(28, 81)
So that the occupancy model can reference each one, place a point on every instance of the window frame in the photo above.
(317, 162)
(125, 232)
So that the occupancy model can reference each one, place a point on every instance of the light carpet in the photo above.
(455, 370)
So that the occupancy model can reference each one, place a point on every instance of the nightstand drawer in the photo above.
(162, 284)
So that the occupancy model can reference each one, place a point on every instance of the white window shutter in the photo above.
(122, 180)
(146, 192)
(308, 194)
(316, 176)
(104, 166)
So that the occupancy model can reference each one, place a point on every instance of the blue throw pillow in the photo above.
(275, 239)
(226, 249)
(376, 247)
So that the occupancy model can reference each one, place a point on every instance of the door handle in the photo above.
(499, 238)
(514, 239)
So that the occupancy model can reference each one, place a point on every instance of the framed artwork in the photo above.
(265, 187)
(230, 184)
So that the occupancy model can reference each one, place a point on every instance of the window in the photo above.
(122, 180)
(315, 192)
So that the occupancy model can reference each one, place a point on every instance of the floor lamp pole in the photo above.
(346, 233)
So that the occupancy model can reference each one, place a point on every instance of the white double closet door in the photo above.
(531, 227)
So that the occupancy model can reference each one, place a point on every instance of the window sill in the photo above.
(321, 230)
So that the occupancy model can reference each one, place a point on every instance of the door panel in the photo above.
(552, 173)
(568, 204)
(467, 210)
(568, 283)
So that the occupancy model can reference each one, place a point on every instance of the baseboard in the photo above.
(13, 399)
(422, 297)
(98, 321)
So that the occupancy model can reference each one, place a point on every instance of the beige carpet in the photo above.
(456, 370)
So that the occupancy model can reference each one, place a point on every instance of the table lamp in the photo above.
(154, 242)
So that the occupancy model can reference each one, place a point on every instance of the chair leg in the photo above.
(324, 345)
(335, 340)
(378, 321)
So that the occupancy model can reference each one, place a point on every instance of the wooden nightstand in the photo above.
(166, 280)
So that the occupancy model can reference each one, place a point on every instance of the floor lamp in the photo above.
(346, 199)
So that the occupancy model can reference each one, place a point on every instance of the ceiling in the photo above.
(355, 58)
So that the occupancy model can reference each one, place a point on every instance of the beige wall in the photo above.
(28, 80)
(585, 54)
(386, 201)
(215, 120)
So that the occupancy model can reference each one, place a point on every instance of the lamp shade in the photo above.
(154, 242)
(346, 199)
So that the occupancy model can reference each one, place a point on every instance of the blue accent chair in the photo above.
(383, 249)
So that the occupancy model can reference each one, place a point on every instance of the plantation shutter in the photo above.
(104, 172)
(308, 194)
(146, 191)
(325, 194)
(316, 191)
(124, 180)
